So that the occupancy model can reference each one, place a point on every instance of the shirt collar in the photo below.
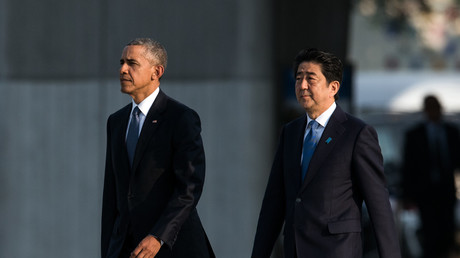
(323, 119)
(145, 105)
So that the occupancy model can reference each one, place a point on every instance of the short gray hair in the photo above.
(155, 52)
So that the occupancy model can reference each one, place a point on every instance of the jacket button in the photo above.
(298, 200)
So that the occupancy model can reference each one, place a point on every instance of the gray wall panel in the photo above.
(52, 39)
(51, 169)
(200, 36)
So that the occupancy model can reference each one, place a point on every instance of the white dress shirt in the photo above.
(322, 120)
(144, 107)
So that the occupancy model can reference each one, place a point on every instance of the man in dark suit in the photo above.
(322, 172)
(431, 155)
(155, 166)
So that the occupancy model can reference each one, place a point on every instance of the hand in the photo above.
(147, 248)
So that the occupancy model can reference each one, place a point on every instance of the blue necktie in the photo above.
(309, 146)
(133, 134)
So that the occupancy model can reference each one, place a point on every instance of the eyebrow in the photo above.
(308, 73)
(129, 60)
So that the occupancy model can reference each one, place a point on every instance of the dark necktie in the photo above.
(133, 134)
(309, 146)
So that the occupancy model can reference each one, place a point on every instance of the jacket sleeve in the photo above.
(109, 210)
(272, 213)
(189, 171)
(368, 170)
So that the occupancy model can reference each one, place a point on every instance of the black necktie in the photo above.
(133, 134)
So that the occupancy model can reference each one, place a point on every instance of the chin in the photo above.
(304, 103)
(125, 89)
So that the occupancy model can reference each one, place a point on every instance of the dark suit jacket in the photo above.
(322, 215)
(158, 195)
(418, 185)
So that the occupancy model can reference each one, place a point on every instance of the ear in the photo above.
(335, 86)
(157, 72)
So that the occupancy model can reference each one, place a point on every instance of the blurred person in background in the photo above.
(327, 164)
(431, 155)
(155, 166)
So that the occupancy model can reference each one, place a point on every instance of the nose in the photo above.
(123, 68)
(302, 83)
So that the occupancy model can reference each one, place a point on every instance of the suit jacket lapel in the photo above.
(151, 123)
(294, 142)
(119, 133)
(334, 129)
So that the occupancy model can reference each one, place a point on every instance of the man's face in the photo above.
(313, 92)
(137, 74)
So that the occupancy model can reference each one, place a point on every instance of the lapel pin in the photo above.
(154, 121)
(328, 140)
